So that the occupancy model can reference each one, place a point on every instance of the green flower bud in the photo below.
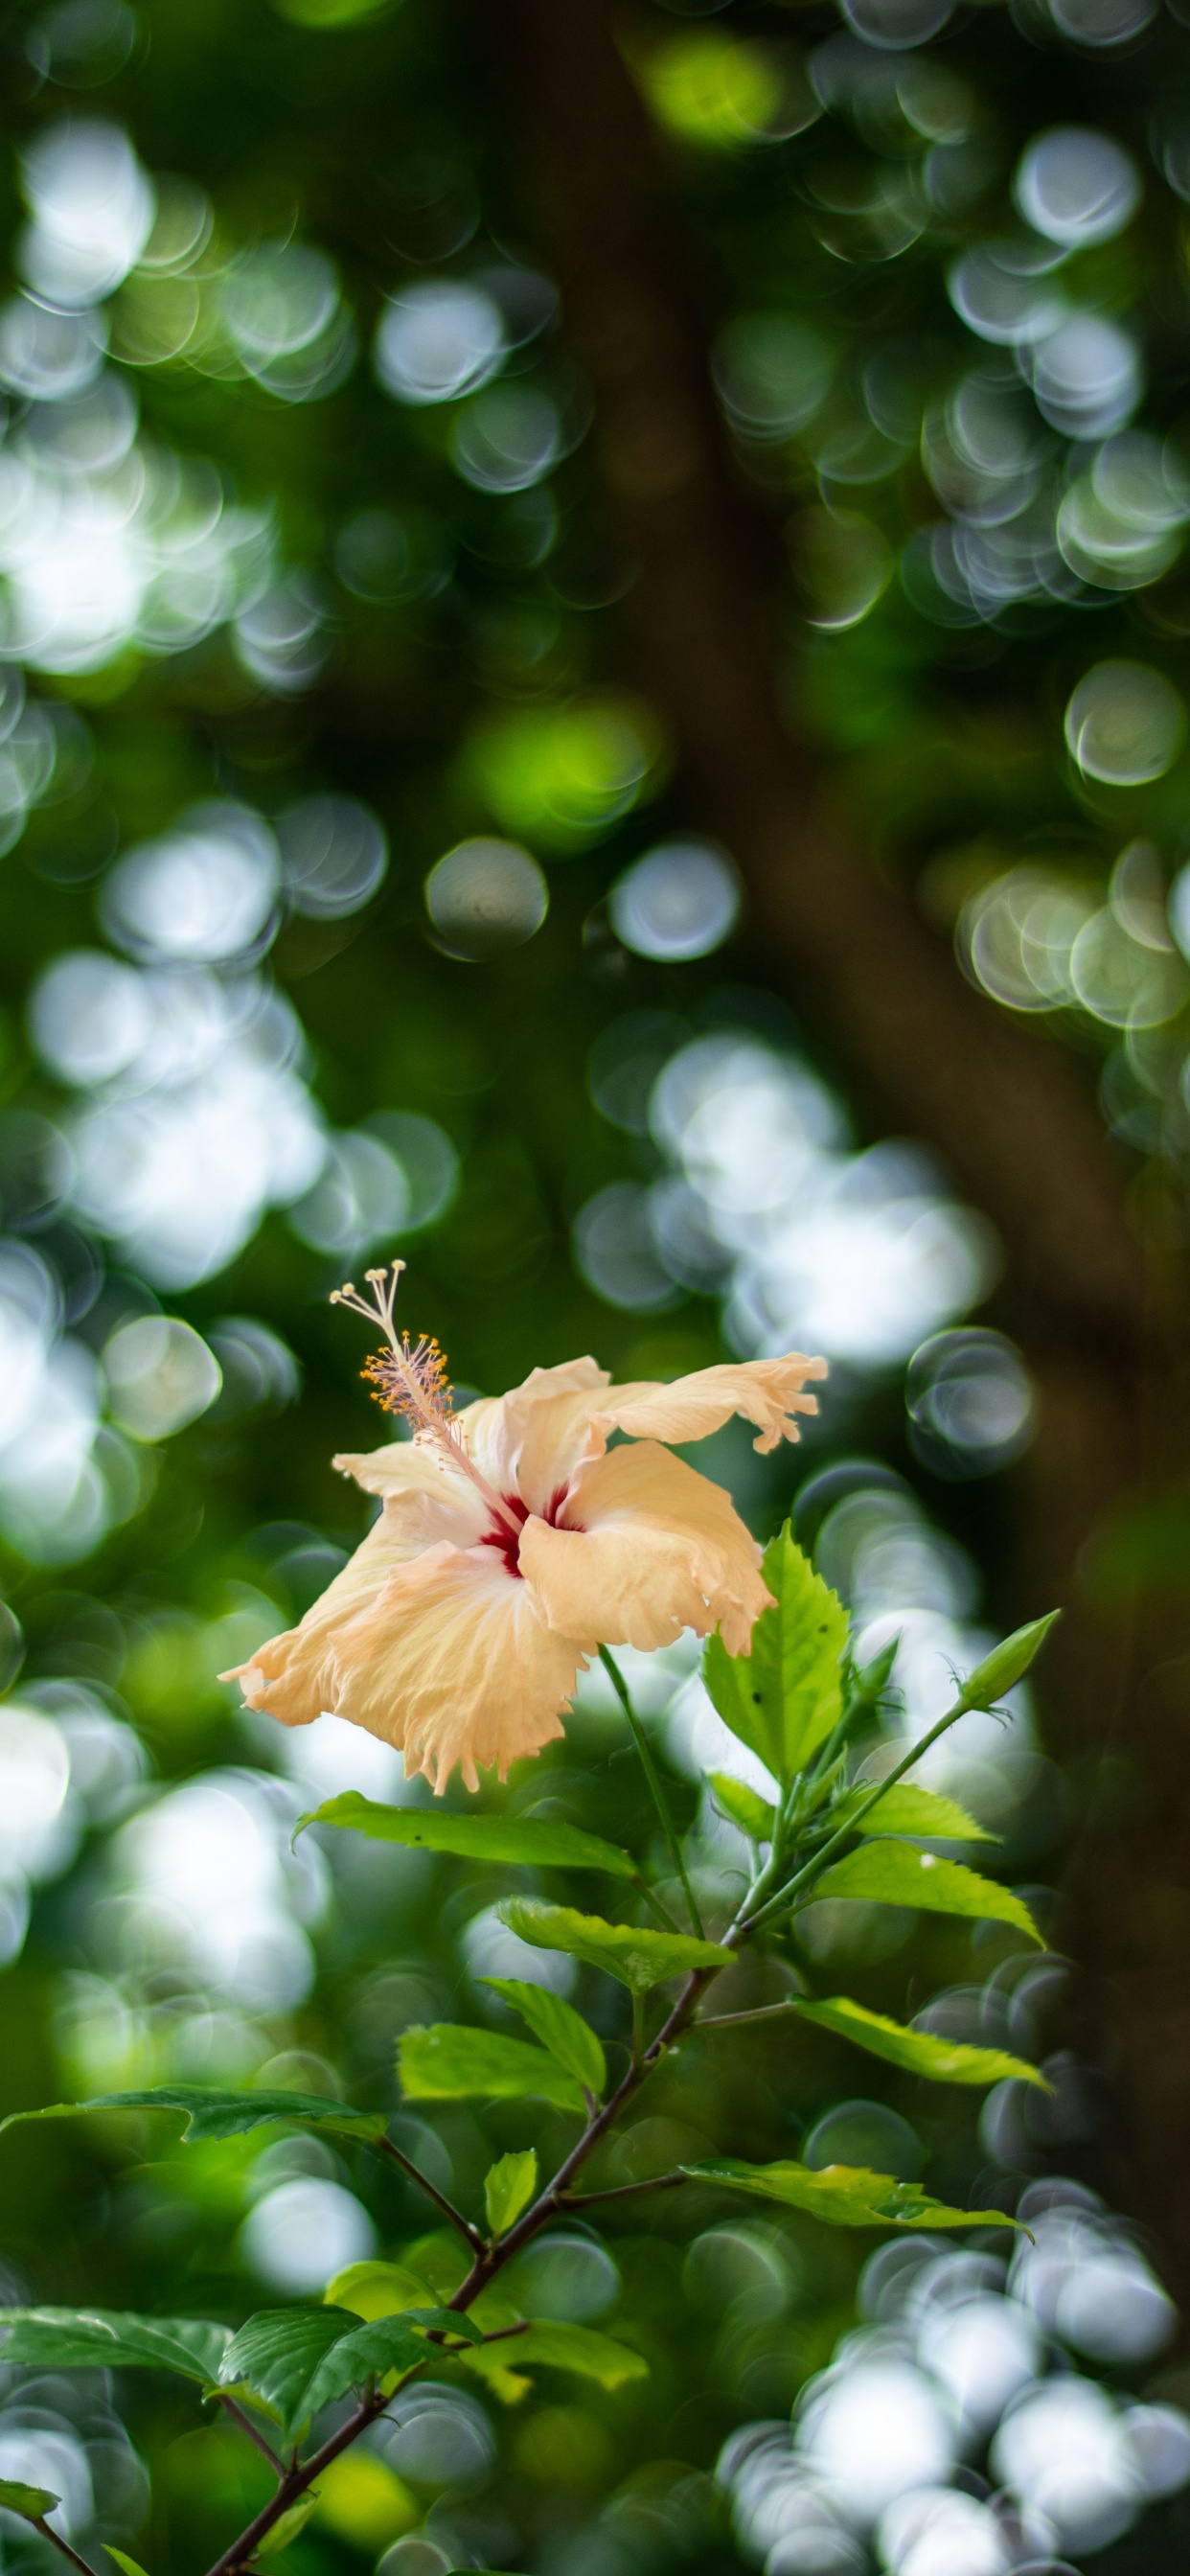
(1006, 1664)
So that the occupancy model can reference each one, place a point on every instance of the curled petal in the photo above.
(416, 1469)
(293, 1676)
(656, 1549)
(528, 1441)
(766, 1392)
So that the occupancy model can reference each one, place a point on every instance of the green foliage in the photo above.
(288, 2524)
(891, 1873)
(215, 2114)
(517, 1840)
(508, 2188)
(786, 1697)
(550, 2346)
(276, 2356)
(743, 1806)
(905, 1809)
(127, 2566)
(32, 2503)
(945, 2061)
(559, 2028)
(450, 2063)
(375, 2289)
(104, 2339)
(639, 1959)
(843, 2195)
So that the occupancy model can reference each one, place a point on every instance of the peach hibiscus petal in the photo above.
(645, 1548)
(455, 1664)
(410, 1467)
(530, 1440)
(294, 1676)
(766, 1392)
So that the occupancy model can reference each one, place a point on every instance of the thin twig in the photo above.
(293, 2484)
(241, 2416)
(656, 1791)
(48, 2533)
(385, 2147)
(758, 2012)
(622, 2191)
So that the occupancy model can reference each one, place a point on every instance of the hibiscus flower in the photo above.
(512, 1543)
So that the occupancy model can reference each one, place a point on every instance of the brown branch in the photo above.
(621, 2190)
(62, 2546)
(240, 2416)
(412, 2173)
(294, 2483)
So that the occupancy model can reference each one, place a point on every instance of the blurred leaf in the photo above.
(899, 1874)
(277, 2356)
(451, 2063)
(508, 2189)
(843, 2195)
(385, 2347)
(752, 1814)
(491, 2364)
(212, 2113)
(32, 2503)
(945, 2061)
(522, 1841)
(127, 2566)
(288, 2525)
(104, 2339)
(905, 1809)
(559, 2028)
(374, 2290)
(784, 1699)
(1007, 1663)
(577, 2348)
(639, 1959)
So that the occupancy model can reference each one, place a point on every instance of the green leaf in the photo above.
(287, 2525)
(103, 2339)
(945, 2061)
(217, 2114)
(451, 2063)
(1007, 1663)
(905, 1809)
(559, 2028)
(384, 2348)
(785, 1698)
(577, 2348)
(899, 1874)
(639, 1959)
(529, 1841)
(277, 2356)
(508, 2189)
(127, 2566)
(751, 1813)
(32, 2503)
(374, 2290)
(844, 2195)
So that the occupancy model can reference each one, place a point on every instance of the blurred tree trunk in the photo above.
(1009, 1111)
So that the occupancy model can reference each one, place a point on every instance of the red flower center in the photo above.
(506, 1540)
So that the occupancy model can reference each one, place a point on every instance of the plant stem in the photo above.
(812, 1871)
(48, 2533)
(759, 2012)
(622, 2191)
(656, 1791)
(240, 2416)
(294, 2483)
(385, 2147)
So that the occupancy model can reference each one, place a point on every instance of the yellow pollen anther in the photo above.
(409, 1379)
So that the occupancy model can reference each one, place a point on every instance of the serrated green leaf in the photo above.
(639, 1959)
(127, 2566)
(374, 2290)
(577, 2348)
(784, 1698)
(287, 2525)
(891, 1873)
(843, 2195)
(277, 2356)
(559, 2028)
(508, 2188)
(906, 1809)
(1007, 1663)
(213, 2113)
(387, 2347)
(105, 2339)
(32, 2503)
(527, 1841)
(736, 1800)
(451, 2063)
(945, 2061)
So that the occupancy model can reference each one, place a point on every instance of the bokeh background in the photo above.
(593, 612)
